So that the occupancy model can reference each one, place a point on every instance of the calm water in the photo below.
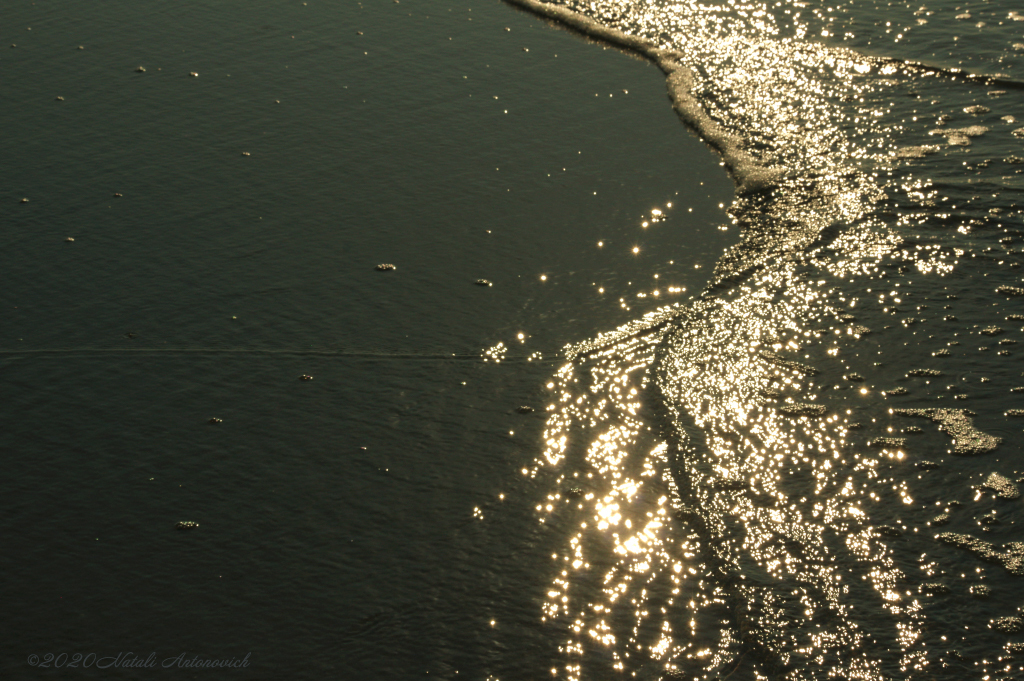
(772, 433)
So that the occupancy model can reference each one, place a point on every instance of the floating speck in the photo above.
(214, 421)
(1008, 625)
(385, 267)
(803, 409)
(934, 589)
(186, 525)
(1002, 486)
(483, 282)
(140, 69)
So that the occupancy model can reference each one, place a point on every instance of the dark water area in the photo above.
(193, 244)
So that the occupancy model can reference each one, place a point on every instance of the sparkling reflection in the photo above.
(731, 476)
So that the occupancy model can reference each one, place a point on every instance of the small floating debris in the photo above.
(859, 331)
(803, 409)
(888, 442)
(963, 17)
(855, 426)
(525, 409)
(385, 267)
(1008, 625)
(896, 391)
(1007, 341)
(889, 531)
(1013, 160)
(941, 519)
(969, 131)
(934, 589)
(118, 195)
(305, 377)
(70, 238)
(59, 98)
(214, 421)
(186, 525)
(483, 282)
(1010, 291)
(246, 153)
(976, 109)
(141, 69)
(927, 465)
(913, 430)
(771, 393)
(996, 93)
(574, 492)
(989, 518)
(685, 512)
(917, 152)
(980, 591)
(1011, 557)
(853, 377)
(992, 331)
(957, 423)
(1014, 412)
(1015, 317)
(845, 317)
(1002, 486)
(1019, 132)
(24, 201)
(924, 372)
(778, 361)
(941, 353)
(193, 74)
(731, 484)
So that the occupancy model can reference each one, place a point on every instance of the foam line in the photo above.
(749, 175)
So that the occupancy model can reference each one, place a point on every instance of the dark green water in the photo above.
(339, 519)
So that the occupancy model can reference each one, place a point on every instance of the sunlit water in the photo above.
(808, 472)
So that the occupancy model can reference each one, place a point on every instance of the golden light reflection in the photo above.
(732, 494)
